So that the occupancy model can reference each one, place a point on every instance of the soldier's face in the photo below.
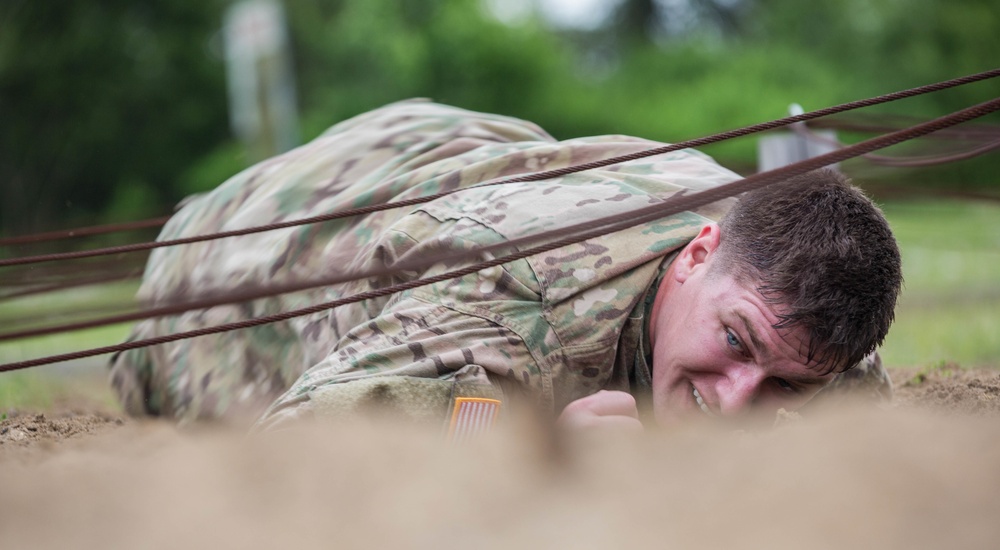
(715, 350)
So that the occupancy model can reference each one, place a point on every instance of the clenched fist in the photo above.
(604, 409)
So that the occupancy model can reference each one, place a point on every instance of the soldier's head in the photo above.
(797, 283)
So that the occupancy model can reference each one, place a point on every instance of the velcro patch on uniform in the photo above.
(472, 416)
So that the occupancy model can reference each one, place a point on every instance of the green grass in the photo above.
(64, 306)
(950, 307)
(82, 380)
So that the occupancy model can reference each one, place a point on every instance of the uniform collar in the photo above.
(642, 370)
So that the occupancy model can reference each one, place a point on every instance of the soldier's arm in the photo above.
(417, 360)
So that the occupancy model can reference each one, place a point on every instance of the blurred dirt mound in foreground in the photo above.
(903, 478)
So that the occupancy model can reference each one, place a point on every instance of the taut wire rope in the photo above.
(881, 123)
(901, 162)
(563, 237)
(83, 231)
(537, 176)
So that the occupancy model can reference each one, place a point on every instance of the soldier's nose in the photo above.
(739, 388)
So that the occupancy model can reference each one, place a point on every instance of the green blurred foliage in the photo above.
(98, 95)
(353, 56)
(948, 310)
(114, 110)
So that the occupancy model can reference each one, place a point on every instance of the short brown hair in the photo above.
(819, 248)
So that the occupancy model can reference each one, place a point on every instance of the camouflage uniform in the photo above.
(552, 328)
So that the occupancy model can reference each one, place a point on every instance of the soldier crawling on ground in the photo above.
(700, 313)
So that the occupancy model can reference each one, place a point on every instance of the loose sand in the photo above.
(922, 474)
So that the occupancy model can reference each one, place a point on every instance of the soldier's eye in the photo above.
(786, 386)
(734, 341)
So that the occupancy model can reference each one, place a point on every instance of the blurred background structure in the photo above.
(260, 78)
(113, 110)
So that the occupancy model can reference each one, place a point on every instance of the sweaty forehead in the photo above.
(760, 319)
(795, 346)
(817, 358)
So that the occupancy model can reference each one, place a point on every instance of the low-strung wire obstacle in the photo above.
(987, 141)
(84, 231)
(551, 239)
(537, 176)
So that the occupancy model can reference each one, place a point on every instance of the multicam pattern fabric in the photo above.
(867, 381)
(550, 328)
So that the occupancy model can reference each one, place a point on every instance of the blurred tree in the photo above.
(878, 46)
(884, 44)
(117, 109)
(680, 68)
(104, 102)
(647, 21)
(637, 21)
(354, 56)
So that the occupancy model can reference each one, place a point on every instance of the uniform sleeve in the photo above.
(415, 360)
(867, 381)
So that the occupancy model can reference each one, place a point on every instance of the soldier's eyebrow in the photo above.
(764, 354)
(755, 340)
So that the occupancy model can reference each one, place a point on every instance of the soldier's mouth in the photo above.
(701, 402)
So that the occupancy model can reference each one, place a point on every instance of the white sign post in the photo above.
(261, 82)
(778, 149)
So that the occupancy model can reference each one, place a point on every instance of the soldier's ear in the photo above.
(696, 254)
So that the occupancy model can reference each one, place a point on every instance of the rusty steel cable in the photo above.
(878, 123)
(83, 231)
(26, 281)
(931, 160)
(563, 237)
(899, 162)
(73, 283)
(537, 176)
(34, 275)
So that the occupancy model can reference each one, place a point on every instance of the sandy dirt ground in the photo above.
(924, 473)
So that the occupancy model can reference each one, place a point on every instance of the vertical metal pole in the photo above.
(781, 148)
(261, 82)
